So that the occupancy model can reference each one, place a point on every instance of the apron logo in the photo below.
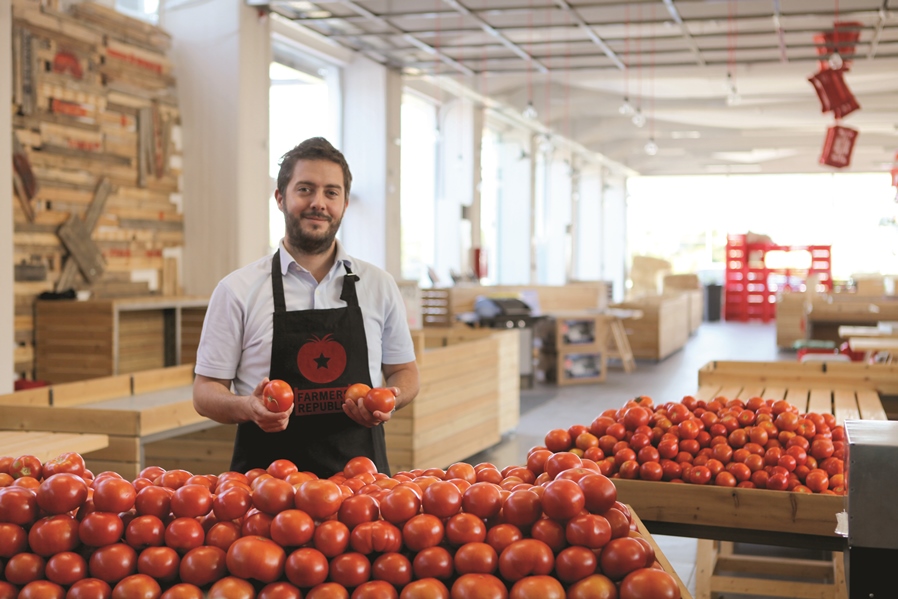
(321, 360)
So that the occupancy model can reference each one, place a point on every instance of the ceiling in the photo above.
(722, 84)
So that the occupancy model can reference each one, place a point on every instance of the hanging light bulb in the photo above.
(835, 61)
(733, 97)
(639, 118)
(545, 144)
(651, 148)
(626, 108)
(529, 112)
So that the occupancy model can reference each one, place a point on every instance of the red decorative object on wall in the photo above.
(838, 146)
(834, 93)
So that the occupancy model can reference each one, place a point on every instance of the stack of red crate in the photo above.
(750, 286)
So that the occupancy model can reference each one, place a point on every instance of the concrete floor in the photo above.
(547, 406)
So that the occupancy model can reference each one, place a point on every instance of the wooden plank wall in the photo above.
(93, 97)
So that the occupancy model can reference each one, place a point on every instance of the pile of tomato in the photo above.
(470, 531)
(758, 443)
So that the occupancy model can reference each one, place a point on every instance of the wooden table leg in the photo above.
(705, 561)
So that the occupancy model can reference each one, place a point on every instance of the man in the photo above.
(310, 315)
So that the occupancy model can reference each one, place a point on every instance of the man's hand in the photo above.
(356, 410)
(268, 421)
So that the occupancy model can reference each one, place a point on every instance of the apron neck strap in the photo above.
(348, 294)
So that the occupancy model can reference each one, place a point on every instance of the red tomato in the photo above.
(356, 392)
(137, 586)
(358, 509)
(70, 462)
(292, 528)
(13, 539)
(54, 534)
(648, 583)
(100, 528)
(61, 493)
(375, 537)
(479, 586)
(476, 558)
(588, 530)
(380, 400)
(66, 568)
(222, 535)
(183, 591)
(42, 589)
(319, 498)
(502, 535)
(18, 506)
(564, 499)
(442, 499)
(112, 563)
(175, 479)
(192, 501)
(23, 568)
(26, 465)
(153, 501)
(422, 531)
(551, 532)
(114, 495)
(89, 588)
(162, 563)
(203, 565)
(575, 563)
(257, 558)
(425, 588)
(145, 531)
(482, 499)
(331, 538)
(393, 568)
(229, 504)
(522, 508)
(183, 534)
(375, 589)
(433, 562)
(272, 496)
(231, 587)
(350, 569)
(306, 567)
(465, 528)
(558, 440)
(328, 590)
(278, 396)
(537, 587)
(279, 590)
(524, 558)
(622, 556)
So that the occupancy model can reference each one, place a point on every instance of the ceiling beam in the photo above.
(590, 32)
(877, 31)
(780, 35)
(675, 15)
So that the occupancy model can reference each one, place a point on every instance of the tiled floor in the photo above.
(547, 406)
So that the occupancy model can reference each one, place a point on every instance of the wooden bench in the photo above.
(132, 411)
(46, 446)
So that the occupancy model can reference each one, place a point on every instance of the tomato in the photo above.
(350, 569)
(153, 501)
(54, 534)
(622, 556)
(230, 504)
(272, 496)
(433, 562)
(563, 499)
(306, 567)
(112, 563)
(476, 558)
(203, 565)
(162, 563)
(393, 568)
(328, 590)
(479, 586)
(257, 558)
(524, 558)
(522, 508)
(137, 586)
(380, 400)
(89, 588)
(192, 501)
(114, 495)
(550, 532)
(442, 499)
(356, 392)
(66, 568)
(558, 440)
(61, 493)
(42, 589)
(358, 509)
(375, 537)
(560, 462)
(175, 479)
(13, 539)
(278, 396)
(465, 528)
(321, 360)
(26, 465)
(375, 589)
(537, 587)
(292, 528)
(231, 587)
(331, 538)
(18, 506)
(502, 535)
(575, 563)
(482, 499)
(425, 588)
(145, 531)
(422, 531)
(400, 505)
(101, 528)
(588, 530)
(648, 583)
(319, 498)
(7, 590)
(222, 535)
(183, 591)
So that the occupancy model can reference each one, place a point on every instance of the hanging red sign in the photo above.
(841, 40)
(834, 93)
(838, 146)
(895, 171)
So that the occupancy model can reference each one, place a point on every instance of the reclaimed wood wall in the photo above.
(97, 162)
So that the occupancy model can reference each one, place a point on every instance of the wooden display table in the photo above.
(875, 345)
(663, 328)
(662, 559)
(46, 446)
(78, 340)
(132, 410)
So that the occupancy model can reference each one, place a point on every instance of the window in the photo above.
(146, 10)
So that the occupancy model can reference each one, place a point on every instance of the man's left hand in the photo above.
(356, 410)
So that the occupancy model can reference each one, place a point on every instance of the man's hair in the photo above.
(314, 148)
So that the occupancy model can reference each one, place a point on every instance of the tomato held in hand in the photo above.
(278, 396)
(380, 399)
(356, 392)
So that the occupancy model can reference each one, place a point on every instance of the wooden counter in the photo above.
(78, 340)
(663, 328)
(46, 446)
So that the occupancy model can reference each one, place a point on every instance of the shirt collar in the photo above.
(287, 259)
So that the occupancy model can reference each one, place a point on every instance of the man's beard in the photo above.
(310, 243)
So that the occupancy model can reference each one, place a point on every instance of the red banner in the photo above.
(834, 93)
(838, 146)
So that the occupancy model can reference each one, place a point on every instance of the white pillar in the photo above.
(7, 279)
(372, 99)
(221, 52)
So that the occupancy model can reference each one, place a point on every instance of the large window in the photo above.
(686, 219)
(418, 187)
(298, 109)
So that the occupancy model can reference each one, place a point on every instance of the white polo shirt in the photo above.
(236, 338)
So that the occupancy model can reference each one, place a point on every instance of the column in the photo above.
(7, 279)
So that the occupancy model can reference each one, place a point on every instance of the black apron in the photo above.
(319, 353)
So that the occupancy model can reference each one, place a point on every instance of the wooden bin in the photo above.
(574, 348)
(663, 328)
(470, 394)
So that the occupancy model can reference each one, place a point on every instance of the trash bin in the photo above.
(713, 302)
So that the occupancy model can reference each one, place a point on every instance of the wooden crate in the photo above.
(829, 312)
(207, 451)
(659, 555)
(574, 348)
(469, 391)
(663, 328)
(791, 319)
(104, 337)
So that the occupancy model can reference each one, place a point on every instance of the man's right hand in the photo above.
(268, 421)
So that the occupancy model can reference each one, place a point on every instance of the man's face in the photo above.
(313, 205)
